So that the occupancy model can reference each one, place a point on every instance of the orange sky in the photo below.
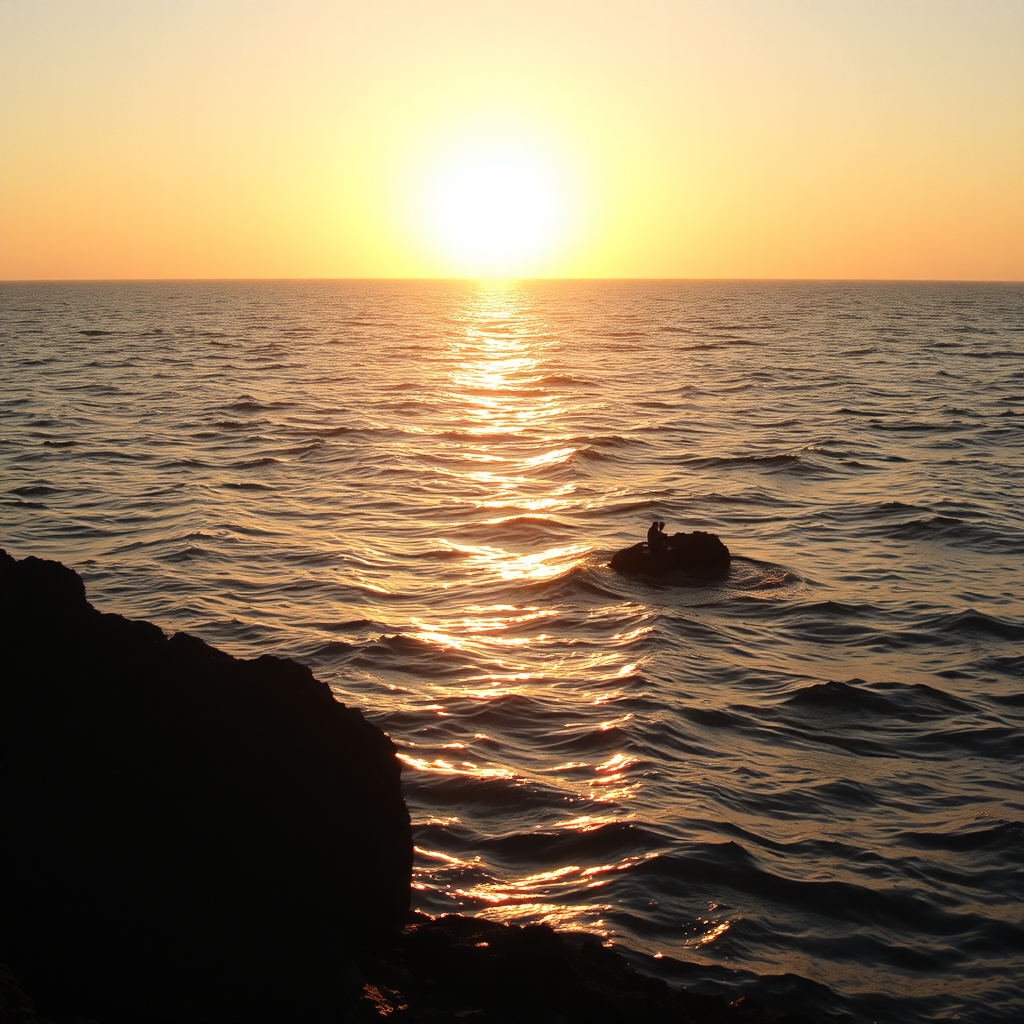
(767, 139)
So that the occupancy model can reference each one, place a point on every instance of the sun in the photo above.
(495, 212)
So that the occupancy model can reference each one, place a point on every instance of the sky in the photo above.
(460, 138)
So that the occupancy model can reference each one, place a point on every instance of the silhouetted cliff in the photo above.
(187, 836)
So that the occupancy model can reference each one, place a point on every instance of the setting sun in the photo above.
(461, 140)
(495, 212)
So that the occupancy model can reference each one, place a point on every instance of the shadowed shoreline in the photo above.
(194, 837)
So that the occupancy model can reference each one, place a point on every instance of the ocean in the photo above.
(800, 780)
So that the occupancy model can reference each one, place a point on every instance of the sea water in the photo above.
(801, 778)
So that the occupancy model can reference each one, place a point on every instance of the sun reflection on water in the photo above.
(512, 466)
(507, 565)
(505, 422)
(531, 897)
(465, 768)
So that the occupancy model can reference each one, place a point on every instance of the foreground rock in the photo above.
(187, 836)
(456, 969)
(192, 838)
(696, 552)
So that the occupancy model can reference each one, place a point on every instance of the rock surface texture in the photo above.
(187, 836)
(455, 969)
(696, 552)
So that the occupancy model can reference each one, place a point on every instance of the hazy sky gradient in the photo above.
(762, 139)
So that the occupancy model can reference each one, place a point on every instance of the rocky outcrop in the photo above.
(453, 969)
(696, 552)
(187, 836)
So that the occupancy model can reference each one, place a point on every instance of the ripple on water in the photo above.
(800, 778)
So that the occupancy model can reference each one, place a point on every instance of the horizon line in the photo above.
(510, 280)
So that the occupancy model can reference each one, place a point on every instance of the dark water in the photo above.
(808, 768)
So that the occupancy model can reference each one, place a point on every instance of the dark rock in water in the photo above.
(696, 552)
(187, 836)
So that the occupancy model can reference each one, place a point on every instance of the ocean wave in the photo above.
(749, 574)
(1000, 841)
(466, 791)
(970, 624)
(719, 342)
(912, 702)
(34, 490)
(595, 845)
(920, 426)
(779, 463)
(331, 650)
(411, 655)
(258, 463)
(616, 441)
(711, 718)
(1010, 666)
(188, 554)
(249, 404)
(729, 868)
(233, 424)
(963, 534)
(999, 743)
(119, 455)
(564, 380)
(23, 504)
(511, 528)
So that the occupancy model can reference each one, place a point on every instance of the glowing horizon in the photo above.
(683, 140)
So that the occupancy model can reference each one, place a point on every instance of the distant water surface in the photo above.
(802, 778)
